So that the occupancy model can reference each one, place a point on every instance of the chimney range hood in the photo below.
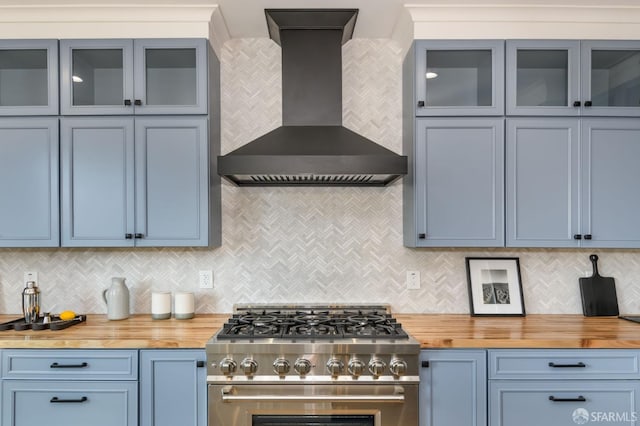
(312, 147)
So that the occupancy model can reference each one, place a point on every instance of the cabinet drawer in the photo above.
(553, 403)
(70, 364)
(34, 402)
(564, 364)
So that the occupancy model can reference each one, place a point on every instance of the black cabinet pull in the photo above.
(577, 103)
(424, 364)
(587, 236)
(577, 236)
(578, 365)
(421, 104)
(137, 102)
(578, 399)
(55, 399)
(199, 364)
(588, 103)
(128, 236)
(422, 236)
(56, 365)
(139, 236)
(127, 102)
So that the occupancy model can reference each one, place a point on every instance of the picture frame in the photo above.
(495, 286)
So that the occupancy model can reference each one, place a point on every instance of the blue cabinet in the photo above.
(142, 76)
(136, 183)
(572, 77)
(570, 182)
(454, 193)
(453, 387)
(173, 387)
(542, 182)
(563, 387)
(74, 387)
(28, 77)
(29, 182)
(458, 77)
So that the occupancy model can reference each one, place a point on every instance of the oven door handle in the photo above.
(228, 397)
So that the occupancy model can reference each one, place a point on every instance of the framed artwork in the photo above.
(495, 287)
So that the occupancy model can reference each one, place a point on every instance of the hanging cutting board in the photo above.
(598, 293)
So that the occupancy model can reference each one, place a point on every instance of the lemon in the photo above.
(67, 315)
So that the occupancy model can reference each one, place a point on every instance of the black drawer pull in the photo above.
(578, 365)
(421, 104)
(137, 102)
(422, 236)
(588, 103)
(138, 236)
(56, 365)
(578, 399)
(199, 364)
(128, 236)
(424, 364)
(576, 103)
(577, 236)
(127, 102)
(57, 400)
(588, 236)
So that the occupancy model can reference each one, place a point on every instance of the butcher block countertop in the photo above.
(431, 330)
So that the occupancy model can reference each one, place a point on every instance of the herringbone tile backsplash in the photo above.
(316, 245)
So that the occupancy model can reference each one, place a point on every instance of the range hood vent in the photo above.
(312, 147)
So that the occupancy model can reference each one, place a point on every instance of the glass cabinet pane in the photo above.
(542, 78)
(615, 78)
(23, 77)
(97, 76)
(171, 77)
(459, 78)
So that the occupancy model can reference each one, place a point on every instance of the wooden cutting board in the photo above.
(598, 293)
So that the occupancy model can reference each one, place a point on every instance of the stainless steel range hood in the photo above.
(312, 147)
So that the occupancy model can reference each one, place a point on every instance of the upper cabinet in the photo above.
(459, 77)
(28, 77)
(142, 76)
(571, 78)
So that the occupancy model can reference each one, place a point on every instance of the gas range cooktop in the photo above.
(311, 322)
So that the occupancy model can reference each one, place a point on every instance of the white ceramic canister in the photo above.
(117, 299)
(161, 305)
(184, 305)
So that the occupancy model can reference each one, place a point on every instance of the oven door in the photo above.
(313, 404)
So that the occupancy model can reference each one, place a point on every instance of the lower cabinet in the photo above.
(563, 387)
(453, 387)
(173, 387)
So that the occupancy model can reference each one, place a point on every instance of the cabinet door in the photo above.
(459, 183)
(173, 388)
(453, 388)
(561, 403)
(459, 77)
(38, 402)
(611, 78)
(28, 77)
(97, 160)
(543, 77)
(542, 182)
(172, 181)
(29, 182)
(170, 76)
(96, 77)
(610, 196)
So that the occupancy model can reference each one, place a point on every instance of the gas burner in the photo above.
(258, 320)
(364, 320)
(312, 319)
(260, 330)
(308, 330)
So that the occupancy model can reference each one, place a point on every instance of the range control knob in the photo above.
(335, 366)
(356, 367)
(281, 366)
(376, 367)
(302, 366)
(398, 367)
(249, 366)
(228, 366)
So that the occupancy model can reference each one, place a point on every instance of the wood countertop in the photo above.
(431, 330)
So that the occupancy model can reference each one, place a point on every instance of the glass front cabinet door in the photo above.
(121, 76)
(28, 77)
(543, 77)
(459, 77)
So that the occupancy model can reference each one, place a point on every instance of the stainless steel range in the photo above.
(312, 364)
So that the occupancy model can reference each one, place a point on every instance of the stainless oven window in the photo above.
(313, 420)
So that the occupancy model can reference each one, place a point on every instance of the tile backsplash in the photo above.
(316, 245)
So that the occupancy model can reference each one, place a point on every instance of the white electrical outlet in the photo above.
(31, 276)
(413, 280)
(206, 279)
